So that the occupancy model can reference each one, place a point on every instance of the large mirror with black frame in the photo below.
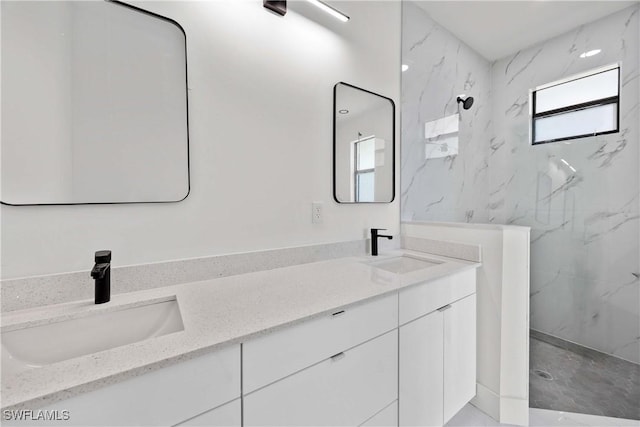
(94, 104)
(363, 146)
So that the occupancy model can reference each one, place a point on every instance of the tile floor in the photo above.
(581, 380)
(584, 388)
(470, 416)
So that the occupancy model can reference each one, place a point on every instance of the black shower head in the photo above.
(467, 101)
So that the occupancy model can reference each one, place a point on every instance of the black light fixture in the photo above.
(276, 6)
(280, 7)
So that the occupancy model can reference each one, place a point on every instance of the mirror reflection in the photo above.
(363, 146)
(94, 104)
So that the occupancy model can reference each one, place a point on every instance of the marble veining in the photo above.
(579, 197)
(524, 67)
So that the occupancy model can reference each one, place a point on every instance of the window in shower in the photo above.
(577, 107)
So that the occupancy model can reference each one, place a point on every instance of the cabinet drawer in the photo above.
(344, 390)
(159, 398)
(228, 415)
(271, 357)
(422, 299)
(388, 417)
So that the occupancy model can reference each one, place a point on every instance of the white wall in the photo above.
(260, 104)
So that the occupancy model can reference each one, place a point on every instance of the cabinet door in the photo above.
(459, 355)
(421, 371)
(227, 415)
(344, 390)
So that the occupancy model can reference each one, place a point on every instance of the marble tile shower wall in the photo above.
(585, 236)
(581, 199)
(440, 68)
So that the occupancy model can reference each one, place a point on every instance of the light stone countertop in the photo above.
(215, 313)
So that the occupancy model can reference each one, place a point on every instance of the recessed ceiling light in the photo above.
(590, 53)
(343, 111)
(405, 67)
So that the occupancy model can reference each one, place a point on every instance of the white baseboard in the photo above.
(487, 401)
(506, 410)
(514, 410)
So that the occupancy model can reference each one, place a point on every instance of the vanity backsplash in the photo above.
(37, 291)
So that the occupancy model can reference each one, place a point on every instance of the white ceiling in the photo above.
(496, 29)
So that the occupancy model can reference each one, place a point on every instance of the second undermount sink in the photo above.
(404, 264)
(35, 346)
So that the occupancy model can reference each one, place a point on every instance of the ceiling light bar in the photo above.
(330, 10)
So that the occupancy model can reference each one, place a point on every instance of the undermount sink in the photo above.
(35, 346)
(404, 264)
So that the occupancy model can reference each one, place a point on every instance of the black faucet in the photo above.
(374, 239)
(101, 272)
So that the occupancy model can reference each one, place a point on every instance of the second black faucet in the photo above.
(101, 272)
(374, 239)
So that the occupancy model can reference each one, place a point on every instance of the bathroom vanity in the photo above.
(352, 341)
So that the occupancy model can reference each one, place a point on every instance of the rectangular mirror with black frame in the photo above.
(363, 146)
(94, 104)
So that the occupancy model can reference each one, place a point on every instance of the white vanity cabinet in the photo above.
(407, 358)
(274, 356)
(437, 363)
(337, 370)
(167, 396)
(344, 390)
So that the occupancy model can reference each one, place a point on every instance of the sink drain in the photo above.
(543, 374)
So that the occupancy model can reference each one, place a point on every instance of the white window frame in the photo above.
(573, 108)
(357, 172)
